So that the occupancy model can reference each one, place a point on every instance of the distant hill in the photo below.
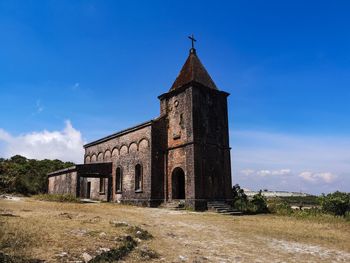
(268, 193)
(291, 198)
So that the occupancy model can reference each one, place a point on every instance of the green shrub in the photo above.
(337, 203)
(280, 208)
(240, 199)
(260, 203)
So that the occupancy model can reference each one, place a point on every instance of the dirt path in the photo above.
(183, 236)
(206, 237)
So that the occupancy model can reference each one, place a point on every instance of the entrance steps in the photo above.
(222, 208)
(174, 205)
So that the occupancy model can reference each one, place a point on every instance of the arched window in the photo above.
(138, 178)
(119, 180)
(102, 186)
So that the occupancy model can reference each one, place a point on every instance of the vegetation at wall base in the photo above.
(67, 198)
(256, 205)
(27, 176)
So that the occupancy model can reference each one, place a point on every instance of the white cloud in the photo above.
(263, 173)
(281, 172)
(247, 172)
(278, 161)
(251, 172)
(317, 177)
(66, 145)
(4, 136)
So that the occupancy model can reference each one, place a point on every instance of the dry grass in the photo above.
(46, 229)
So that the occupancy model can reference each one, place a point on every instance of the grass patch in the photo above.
(310, 200)
(282, 208)
(119, 223)
(148, 254)
(118, 253)
(15, 259)
(15, 241)
(140, 233)
(66, 198)
(318, 216)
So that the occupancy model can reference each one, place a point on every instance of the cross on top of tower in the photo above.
(192, 40)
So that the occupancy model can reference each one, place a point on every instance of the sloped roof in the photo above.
(193, 71)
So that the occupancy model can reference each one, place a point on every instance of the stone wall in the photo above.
(63, 183)
(159, 140)
(198, 143)
(177, 107)
(212, 152)
(95, 188)
(125, 150)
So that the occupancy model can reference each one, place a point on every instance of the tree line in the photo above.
(27, 176)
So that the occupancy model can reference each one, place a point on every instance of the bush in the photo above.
(260, 203)
(280, 207)
(337, 203)
(240, 199)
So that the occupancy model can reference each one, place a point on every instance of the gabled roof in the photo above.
(193, 71)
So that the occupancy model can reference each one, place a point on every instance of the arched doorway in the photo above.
(178, 183)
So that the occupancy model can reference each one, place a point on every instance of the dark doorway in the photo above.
(88, 190)
(178, 184)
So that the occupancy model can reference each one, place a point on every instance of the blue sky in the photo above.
(85, 69)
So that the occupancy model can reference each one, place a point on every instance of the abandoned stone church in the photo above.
(182, 154)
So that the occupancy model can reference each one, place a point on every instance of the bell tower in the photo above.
(197, 156)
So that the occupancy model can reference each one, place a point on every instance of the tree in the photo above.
(27, 176)
(337, 203)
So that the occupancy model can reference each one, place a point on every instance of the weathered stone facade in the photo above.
(183, 154)
(64, 182)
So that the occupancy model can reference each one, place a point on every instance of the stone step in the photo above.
(223, 208)
(218, 207)
(174, 205)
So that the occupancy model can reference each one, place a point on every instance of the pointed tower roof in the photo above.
(193, 71)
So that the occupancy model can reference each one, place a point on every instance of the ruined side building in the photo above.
(182, 154)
